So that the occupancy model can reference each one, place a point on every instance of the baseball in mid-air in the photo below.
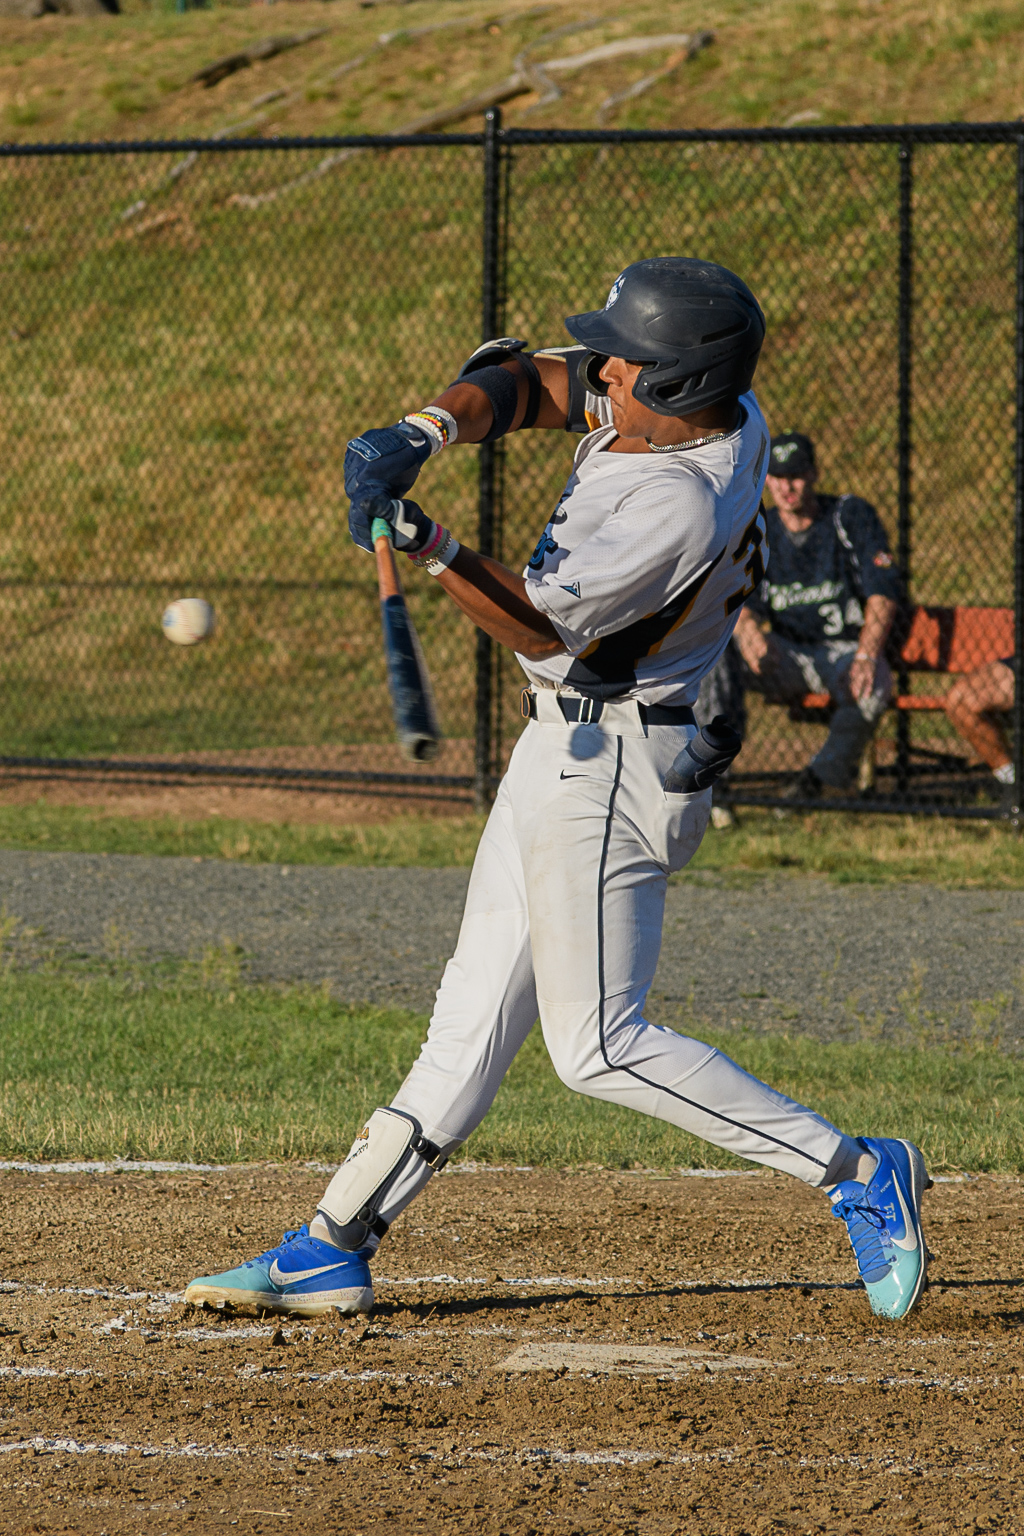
(188, 620)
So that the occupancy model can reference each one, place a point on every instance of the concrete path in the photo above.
(791, 953)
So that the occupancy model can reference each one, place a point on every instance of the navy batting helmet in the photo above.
(694, 325)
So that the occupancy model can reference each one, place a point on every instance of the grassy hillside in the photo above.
(189, 343)
(838, 61)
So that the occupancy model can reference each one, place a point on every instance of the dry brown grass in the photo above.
(840, 60)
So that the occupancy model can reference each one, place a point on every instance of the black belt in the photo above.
(589, 711)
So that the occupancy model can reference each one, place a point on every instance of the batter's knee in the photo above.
(579, 1073)
(574, 1047)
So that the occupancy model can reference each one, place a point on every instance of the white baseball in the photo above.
(188, 620)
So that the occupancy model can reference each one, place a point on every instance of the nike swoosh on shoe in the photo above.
(909, 1241)
(296, 1276)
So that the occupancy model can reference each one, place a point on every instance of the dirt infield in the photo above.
(565, 1353)
(337, 804)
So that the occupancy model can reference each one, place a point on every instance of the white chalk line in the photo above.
(88, 1292)
(52, 1443)
(169, 1298)
(128, 1165)
(526, 1280)
(134, 1165)
(302, 1333)
(531, 1455)
(279, 1376)
(33, 1371)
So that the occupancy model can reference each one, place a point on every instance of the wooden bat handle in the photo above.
(387, 571)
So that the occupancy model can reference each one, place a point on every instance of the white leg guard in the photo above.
(350, 1211)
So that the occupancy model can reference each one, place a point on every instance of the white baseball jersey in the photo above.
(647, 560)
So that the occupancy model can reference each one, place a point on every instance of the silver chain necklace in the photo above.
(698, 442)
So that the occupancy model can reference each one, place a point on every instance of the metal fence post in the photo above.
(1018, 531)
(904, 424)
(490, 453)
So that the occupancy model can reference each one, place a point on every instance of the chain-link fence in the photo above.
(194, 331)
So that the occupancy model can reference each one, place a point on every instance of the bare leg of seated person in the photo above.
(972, 705)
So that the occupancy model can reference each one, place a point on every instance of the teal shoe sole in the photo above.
(207, 1293)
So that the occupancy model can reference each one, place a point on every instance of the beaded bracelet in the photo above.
(439, 553)
(439, 425)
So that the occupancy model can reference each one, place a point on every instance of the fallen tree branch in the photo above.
(265, 48)
(698, 42)
(624, 47)
(178, 170)
(638, 87)
(442, 117)
(528, 77)
(521, 83)
(548, 90)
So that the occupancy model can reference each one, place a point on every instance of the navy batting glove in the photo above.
(386, 458)
(411, 528)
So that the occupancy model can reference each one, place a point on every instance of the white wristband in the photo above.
(439, 553)
(444, 557)
(439, 425)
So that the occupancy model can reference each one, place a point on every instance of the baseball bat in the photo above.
(412, 698)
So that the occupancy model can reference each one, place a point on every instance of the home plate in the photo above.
(631, 1359)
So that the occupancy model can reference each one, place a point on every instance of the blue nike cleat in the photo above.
(883, 1221)
(301, 1276)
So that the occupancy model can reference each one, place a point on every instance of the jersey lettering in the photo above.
(546, 545)
(607, 669)
(753, 539)
(831, 616)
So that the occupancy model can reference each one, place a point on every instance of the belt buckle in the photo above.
(525, 700)
(586, 713)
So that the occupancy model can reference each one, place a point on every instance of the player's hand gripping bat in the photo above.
(412, 699)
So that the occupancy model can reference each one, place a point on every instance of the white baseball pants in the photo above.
(563, 919)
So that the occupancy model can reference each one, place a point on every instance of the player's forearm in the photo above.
(495, 599)
(879, 613)
(473, 411)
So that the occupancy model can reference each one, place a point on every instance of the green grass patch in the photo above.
(854, 849)
(406, 841)
(187, 1062)
(880, 850)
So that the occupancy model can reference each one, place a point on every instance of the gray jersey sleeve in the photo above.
(656, 542)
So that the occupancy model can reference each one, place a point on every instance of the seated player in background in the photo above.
(830, 598)
(973, 705)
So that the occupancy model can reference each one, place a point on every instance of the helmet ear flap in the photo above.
(590, 367)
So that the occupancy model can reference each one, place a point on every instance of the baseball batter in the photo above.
(630, 597)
